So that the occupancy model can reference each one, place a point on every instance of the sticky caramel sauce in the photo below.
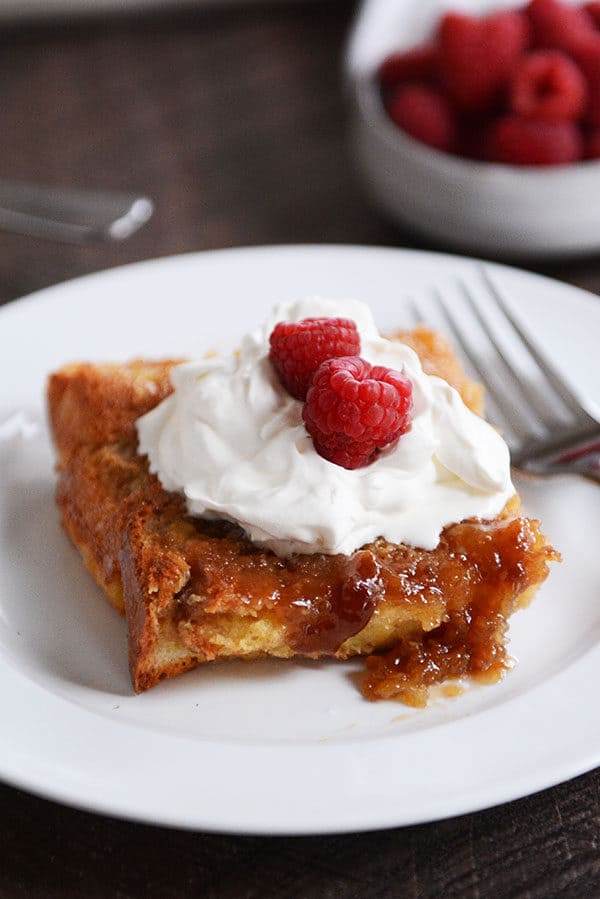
(472, 582)
(486, 571)
(320, 600)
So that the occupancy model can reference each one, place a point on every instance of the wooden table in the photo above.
(234, 122)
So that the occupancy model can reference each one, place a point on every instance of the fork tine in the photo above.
(533, 402)
(459, 334)
(560, 388)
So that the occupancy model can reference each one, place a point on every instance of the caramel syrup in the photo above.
(486, 573)
(472, 582)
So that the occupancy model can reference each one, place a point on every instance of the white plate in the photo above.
(270, 747)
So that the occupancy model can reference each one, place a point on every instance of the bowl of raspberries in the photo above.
(478, 123)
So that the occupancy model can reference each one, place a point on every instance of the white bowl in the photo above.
(491, 209)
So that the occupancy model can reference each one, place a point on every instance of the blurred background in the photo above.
(233, 118)
(230, 118)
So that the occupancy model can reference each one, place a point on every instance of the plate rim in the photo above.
(499, 795)
(173, 258)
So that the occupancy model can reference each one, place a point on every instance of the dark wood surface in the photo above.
(234, 122)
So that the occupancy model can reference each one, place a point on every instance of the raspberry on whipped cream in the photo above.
(298, 348)
(232, 440)
(354, 410)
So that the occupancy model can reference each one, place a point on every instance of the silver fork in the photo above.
(544, 423)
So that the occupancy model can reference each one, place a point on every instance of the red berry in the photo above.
(547, 85)
(593, 110)
(417, 64)
(587, 54)
(593, 11)
(477, 55)
(298, 348)
(354, 409)
(558, 25)
(425, 114)
(592, 145)
(518, 141)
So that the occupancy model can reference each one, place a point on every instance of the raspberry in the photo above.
(354, 409)
(587, 54)
(298, 348)
(558, 25)
(547, 85)
(592, 145)
(419, 63)
(593, 110)
(477, 55)
(518, 141)
(425, 114)
(593, 11)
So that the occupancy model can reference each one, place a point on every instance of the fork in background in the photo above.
(544, 423)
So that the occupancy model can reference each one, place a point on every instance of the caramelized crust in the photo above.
(91, 405)
(437, 358)
(196, 591)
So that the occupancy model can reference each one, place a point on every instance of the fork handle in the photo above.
(75, 216)
(583, 460)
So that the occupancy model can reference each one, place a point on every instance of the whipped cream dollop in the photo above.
(232, 440)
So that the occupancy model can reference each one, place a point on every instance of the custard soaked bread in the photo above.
(196, 590)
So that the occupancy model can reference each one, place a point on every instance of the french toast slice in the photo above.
(195, 591)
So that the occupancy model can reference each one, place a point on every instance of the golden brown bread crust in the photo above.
(194, 591)
(437, 358)
(91, 405)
